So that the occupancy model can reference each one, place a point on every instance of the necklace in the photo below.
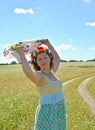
(50, 76)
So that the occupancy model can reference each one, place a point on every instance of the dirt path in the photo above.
(67, 82)
(83, 92)
(88, 98)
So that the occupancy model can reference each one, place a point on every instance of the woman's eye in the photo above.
(40, 59)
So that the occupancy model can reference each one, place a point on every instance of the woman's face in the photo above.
(43, 60)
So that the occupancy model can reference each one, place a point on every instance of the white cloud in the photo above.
(64, 47)
(91, 24)
(23, 11)
(30, 11)
(1, 56)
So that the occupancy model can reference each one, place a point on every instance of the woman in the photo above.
(50, 114)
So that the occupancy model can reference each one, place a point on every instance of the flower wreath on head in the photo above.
(41, 48)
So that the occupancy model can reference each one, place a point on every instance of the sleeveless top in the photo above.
(51, 92)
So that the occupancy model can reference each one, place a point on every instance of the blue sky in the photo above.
(68, 24)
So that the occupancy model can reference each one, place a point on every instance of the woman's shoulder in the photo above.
(41, 78)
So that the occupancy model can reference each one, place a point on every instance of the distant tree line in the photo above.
(91, 60)
(14, 62)
(77, 60)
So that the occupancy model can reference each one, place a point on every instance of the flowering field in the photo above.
(18, 98)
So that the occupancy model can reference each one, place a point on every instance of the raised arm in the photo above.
(55, 54)
(34, 77)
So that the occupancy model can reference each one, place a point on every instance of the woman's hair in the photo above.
(38, 50)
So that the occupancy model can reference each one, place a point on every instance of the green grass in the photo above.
(19, 99)
(91, 87)
(79, 116)
(71, 70)
(17, 110)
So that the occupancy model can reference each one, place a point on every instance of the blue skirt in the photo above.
(51, 117)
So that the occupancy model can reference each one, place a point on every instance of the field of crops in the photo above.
(19, 99)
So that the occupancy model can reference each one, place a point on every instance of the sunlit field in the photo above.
(91, 87)
(19, 99)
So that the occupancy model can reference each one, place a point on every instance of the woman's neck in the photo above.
(46, 71)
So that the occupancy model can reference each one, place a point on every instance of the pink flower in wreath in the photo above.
(46, 110)
(45, 123)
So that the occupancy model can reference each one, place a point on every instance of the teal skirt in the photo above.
(51, 117)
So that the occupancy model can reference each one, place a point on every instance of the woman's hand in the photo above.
(19, 50)
(46, 42)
